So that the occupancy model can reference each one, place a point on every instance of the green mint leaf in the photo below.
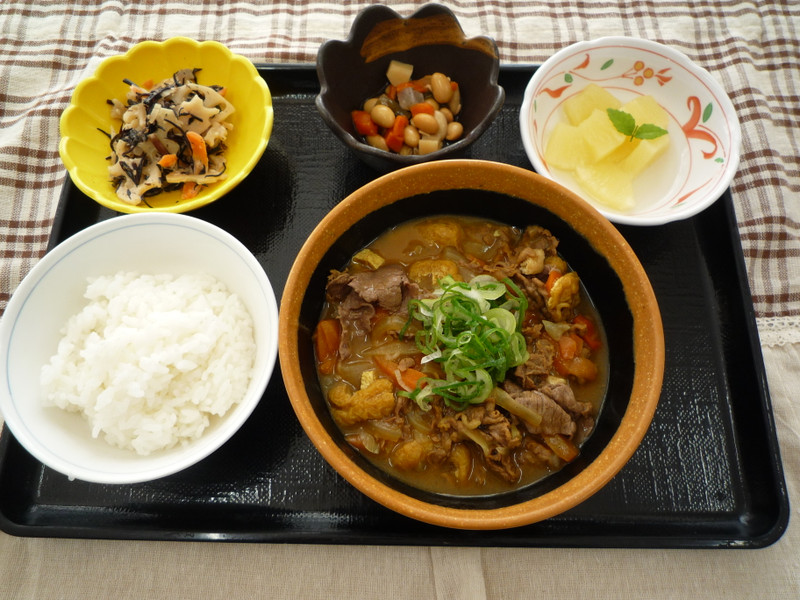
(622, 121)
(626, 125)
(648, 131)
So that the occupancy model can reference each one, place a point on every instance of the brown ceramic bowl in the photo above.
(613, 277)
(431, 39)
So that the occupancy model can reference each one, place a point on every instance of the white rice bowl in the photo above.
(133, 441)
(151, 359)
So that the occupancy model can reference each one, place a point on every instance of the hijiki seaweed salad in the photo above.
(172, 137)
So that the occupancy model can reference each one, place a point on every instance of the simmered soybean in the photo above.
(411, 116)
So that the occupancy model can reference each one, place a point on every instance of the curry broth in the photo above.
(405, 245)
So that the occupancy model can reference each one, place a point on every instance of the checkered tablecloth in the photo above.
(752, 47)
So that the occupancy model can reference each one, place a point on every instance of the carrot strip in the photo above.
(326, 342)
(168, 160)
(561, 446)
(411, 378)
(199, 152)
(189, 190)
(407, 379)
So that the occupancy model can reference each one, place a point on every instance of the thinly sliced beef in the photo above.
(533, 287)
(338, 286)
(562, 393)
(355, 315)
(358, 295)
(554, 418)
(504, 465)
(385, 286)
(540, 361)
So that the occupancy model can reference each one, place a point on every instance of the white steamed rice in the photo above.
(152, 359)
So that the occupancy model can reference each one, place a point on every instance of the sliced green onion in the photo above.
(473, 330)
(502, 318)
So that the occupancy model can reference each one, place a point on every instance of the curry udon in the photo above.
(462, 356)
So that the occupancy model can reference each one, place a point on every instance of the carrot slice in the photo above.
(551, 279)
(415, 84)
(411, 378)
(363, 122)
(394, 137)
(567, 347)
(421, 107)
(589, 333)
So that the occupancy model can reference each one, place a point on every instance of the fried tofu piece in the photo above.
(369, 258)
(429, 271)
(373, 402)
(564, 296)
(461, 459)
(368, 377)
(410, 455)
(442, 233)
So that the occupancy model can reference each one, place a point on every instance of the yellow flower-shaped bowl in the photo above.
(84, 148)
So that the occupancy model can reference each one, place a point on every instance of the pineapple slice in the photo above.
(603, 161)
(623, 151)
(600, 135)
(646, 110)
(581, 105)
(608, 183)
(644, 154)
(566, 148)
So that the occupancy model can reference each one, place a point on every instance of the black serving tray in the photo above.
(707, 475)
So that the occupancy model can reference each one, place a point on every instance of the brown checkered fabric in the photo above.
(46, 48)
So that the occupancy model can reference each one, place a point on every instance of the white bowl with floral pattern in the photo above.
(705, 136)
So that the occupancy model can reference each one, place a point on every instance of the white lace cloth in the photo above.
(779, 331)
